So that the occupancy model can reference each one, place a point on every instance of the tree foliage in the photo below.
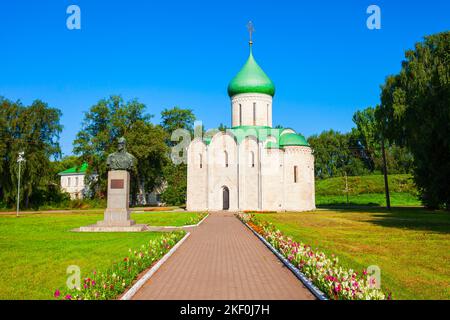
(368, 137)
(336, 154)
(111, 119)
(415, 112)
(175, 175)
(176, 118)
(35, 130)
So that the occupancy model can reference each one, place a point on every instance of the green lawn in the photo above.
(36, 249)
(367, 191)
(370, 199)
(411, 246)
(399, 183)
(170, 218)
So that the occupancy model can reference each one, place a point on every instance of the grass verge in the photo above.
(410, 245)
(36, 249)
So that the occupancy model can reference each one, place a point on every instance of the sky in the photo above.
(324, 61)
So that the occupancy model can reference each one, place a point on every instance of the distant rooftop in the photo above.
(75, 170)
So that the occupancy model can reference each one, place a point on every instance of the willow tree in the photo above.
(35, 130)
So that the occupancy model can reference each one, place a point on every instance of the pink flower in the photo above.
(68, 297)
(57, 293)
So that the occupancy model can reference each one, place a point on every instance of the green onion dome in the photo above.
(293, 139)
(251, 79)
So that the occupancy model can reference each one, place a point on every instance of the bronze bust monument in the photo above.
(121, 160)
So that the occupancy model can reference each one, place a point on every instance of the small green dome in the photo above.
(293, 139)
(251, 79)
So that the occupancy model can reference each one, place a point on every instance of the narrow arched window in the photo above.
(254, 113)
(295, 174)
(226, 159)
(200, 160)
(68, 182)
(252, 159)
(76, 182)
(240, 114)
(267, 114)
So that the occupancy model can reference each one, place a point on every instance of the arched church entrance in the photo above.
(226, 198)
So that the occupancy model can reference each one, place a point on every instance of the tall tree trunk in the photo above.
(385, 171)
(27, 198)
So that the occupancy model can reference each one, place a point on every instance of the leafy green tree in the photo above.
(175, 175)
(176, 118)
(147, 141)
(336, 154)
(415, 112)
(111, 119)
(35, 130)
(176, 184)
(368, 136)
(222, 127)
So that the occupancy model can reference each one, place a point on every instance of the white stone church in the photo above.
(251, 166)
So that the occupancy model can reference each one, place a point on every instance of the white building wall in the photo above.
(222, 173)
(197, 176)
(249, 174)
(272, 180)
(299, 195)
(251, 109)
(73, 184)
(269, 188)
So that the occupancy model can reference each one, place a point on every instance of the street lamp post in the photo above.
(20, 159)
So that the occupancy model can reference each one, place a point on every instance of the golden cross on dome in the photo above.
(250, 29)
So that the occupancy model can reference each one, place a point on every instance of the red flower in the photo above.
(57, 293)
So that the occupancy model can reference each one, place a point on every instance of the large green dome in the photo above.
(293, 139)
(251, 79)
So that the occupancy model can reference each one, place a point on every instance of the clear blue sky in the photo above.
(324, 61)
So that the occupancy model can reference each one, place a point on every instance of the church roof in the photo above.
(251, 79)
(293, 139)
(75, 170)
(284, 137)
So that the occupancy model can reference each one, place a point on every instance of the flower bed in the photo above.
(110, 283)
(200, 216)
(332, 279)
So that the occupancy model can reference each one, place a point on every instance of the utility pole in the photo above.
(20, 159)
(386, 183)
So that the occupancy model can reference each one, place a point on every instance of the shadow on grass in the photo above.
(412, 218)
(345, 205)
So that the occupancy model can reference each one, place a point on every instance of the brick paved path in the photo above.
(222, 259)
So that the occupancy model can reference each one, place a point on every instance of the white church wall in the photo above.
(197, 176)
(272, 177)
(251, 109)
(222, 171)
(248, 174)
(299, 189)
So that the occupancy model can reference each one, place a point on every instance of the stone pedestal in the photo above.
(117, 213)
